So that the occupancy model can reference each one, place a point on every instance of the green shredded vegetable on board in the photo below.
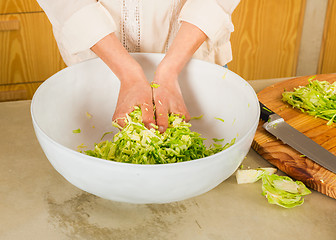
(136, 144)
(317, 98)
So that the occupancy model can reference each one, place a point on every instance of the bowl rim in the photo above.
(91, 158)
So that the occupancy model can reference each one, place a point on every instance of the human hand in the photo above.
(168, 98)
(136, 91)
(134, 87)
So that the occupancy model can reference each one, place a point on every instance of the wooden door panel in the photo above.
(266, 39)
(327, 63)
(28, 52)
(19, 6)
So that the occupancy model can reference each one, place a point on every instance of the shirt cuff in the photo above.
(208, 16)
(86, 27)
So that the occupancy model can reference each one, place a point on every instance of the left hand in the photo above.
(167, 97)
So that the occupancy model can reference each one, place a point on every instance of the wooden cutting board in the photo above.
(286, 158)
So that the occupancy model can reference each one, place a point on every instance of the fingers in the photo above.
(119, 116)
(167, 99)
(161, 114)
(171, 106)
(137, 94)
(186, 115)
(181, 110)
(147, 115)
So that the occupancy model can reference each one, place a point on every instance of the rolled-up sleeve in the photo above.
(80, 23)
(213, 17)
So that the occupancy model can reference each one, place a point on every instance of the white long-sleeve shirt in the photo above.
(141, 25)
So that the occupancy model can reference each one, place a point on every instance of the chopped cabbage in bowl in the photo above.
(137, 144)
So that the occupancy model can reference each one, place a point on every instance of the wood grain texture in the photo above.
(284, 157)
(29, 54)
(13, 95)
(266, 39)
(18, 6)
(327, 62)
(10, 25)
(14, 92)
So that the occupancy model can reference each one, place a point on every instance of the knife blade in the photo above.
(277, 126)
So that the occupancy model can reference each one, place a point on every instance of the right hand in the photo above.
(168, 97)
(134, 87)
(135, 91)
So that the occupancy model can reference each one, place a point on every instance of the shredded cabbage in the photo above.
(283, 191)
(279, 190)
(252, 175)
(136, 144)
(88, 115)
(196, 118)
(76, 131)
(317, 98)
(155, 85)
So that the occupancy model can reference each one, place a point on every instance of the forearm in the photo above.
(116, 57)
(168, 97)
(134, 90)
(188, 39)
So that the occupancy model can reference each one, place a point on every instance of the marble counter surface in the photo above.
(38, 203)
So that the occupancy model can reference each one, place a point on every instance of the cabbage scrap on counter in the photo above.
(283, 191)
(136, 144)
(279, 190)
(317, 98)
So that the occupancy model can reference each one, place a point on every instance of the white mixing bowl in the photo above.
(62, 103)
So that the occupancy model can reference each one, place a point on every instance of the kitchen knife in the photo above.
(277, 126)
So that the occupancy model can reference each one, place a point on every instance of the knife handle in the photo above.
(265, 112)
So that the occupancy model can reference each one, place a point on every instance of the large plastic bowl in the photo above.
(62, 104)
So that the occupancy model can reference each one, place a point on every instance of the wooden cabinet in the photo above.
(19, 6)
(266, 39)
(28, 51)
(327, 62)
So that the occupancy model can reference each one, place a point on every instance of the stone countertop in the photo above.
(38, 203)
